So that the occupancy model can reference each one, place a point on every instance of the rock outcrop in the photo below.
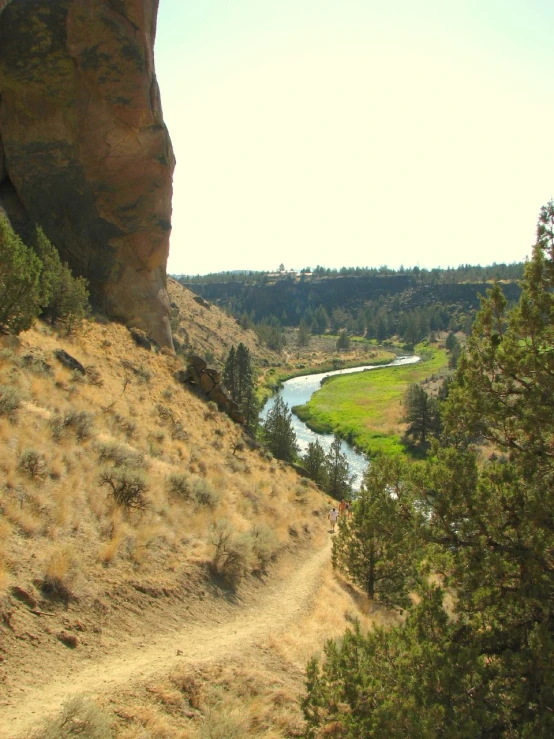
(84, 151)
(208, 381)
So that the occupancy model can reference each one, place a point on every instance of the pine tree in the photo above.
(278, 432)
(239, 379)
(314, 463)
(376, 548)
(339, 480)
(421, 415)
(484, 668)
(343, 342)
(303, 334)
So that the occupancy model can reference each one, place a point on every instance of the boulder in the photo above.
(84, 149)
(70, 362)
(209, 382)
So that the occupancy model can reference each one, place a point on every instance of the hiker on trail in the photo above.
(342, 507)
(348, 509)
(333, 515)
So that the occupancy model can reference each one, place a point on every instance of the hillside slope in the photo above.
(202, 328)
(85, 580)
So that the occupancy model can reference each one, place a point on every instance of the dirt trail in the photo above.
(282, 603)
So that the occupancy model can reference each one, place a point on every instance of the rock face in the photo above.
(209, 381)
(84, 150)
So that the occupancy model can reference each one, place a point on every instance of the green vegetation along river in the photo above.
(299, 390)
(366, 408)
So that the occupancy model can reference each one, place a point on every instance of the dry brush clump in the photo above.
(79, 717)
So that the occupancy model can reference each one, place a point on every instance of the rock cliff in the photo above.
(84, 150)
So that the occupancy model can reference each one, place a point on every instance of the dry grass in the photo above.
(67, 429)
(64, 537)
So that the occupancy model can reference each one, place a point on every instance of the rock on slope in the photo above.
(84, 150)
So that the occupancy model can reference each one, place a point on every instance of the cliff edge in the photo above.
(84, 151)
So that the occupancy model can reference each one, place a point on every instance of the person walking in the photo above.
(333, 516)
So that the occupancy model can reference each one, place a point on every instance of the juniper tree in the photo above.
(20, 289)
(339, 480)
(484, 667)
(278, 432)
(64, 297)
(421, 414)
(315, 463)
(239, 379)
(377, 547)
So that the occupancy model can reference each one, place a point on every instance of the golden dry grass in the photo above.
(63, 535)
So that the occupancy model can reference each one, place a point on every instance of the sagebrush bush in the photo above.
(204, 493)
(32, 463)
(10, 401)
(80, 422)
(264, 544)
(232, 551)
(180, 485)
(79, 717)
(120, 456)
(128, 487)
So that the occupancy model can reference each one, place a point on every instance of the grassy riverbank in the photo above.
(319, 356)
(366, 408)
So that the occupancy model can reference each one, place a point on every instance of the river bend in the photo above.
(299, 390)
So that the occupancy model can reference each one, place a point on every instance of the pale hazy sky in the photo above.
(356, 132)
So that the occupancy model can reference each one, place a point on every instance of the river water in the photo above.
(300, 389)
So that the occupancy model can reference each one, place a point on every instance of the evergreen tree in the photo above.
(314, 463)
(376, 548)
(278, 432)
(20, 289)
(484, 668)
(65, 298)
(421, 415)
(240, 381)
(339, 481)
(343, 342)
(320, 321)
(303, 334)
(230, 379)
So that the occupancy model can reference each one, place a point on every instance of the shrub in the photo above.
(264, 544)
(165, 413)
(180, 486)
(232, 551)
(64, 297)
(127, 486)
(80, 422)
(32, 463)
(120, 456)
(204, 493)
(221, 722)
(20, 285)
(56, 581)
(78, 717)
(10, 400)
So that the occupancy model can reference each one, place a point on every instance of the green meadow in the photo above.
(366, 408)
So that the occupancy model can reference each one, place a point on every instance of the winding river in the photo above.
(300, 389)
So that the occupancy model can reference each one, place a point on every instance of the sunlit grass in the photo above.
(366, 407)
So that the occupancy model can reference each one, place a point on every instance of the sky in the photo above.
(356, 132)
